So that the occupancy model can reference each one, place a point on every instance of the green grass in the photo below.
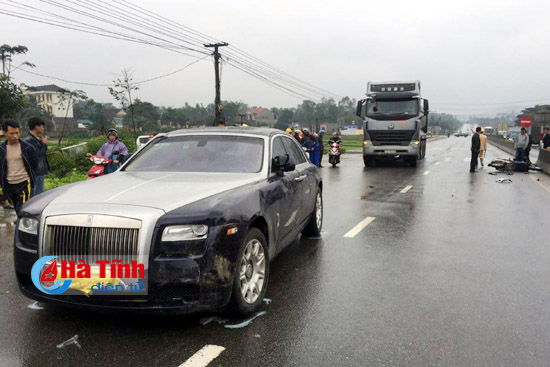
(51, 181)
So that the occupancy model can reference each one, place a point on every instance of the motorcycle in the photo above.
(334, 153)
(101, 165)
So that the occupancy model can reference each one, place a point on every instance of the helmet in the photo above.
(335, 133)
(289, 130)
(322, 131)
(112, 132)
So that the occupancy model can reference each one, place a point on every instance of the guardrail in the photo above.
(500, 142)
(543, 160)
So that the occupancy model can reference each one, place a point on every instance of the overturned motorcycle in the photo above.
(508, 165)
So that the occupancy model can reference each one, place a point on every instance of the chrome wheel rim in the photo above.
(319, 211)
(252, 271)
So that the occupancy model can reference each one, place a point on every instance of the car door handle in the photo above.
(300, 178)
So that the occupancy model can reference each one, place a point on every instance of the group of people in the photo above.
(522, 146)
(24, 162)
(313, 143)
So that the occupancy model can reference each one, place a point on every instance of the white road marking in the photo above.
(204, 356)
(534, 178)
(447, 159)
(406, 189)
(358, 228)
(427, 172)
(437, 163)
(467, 159)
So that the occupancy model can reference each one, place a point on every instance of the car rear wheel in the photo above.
(251, 275)
(315, 224)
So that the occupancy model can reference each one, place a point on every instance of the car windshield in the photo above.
(200, 153)
(394, 107)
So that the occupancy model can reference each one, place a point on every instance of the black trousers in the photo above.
(473, 162)
(18, 194)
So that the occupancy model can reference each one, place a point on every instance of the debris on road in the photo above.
(71, 341)
(208, 320)
(504, 180)
(35, 306)
(246, 322)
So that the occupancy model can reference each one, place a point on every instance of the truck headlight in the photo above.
(415, 143)
(366, 142)
(189, 232)
(28, 225)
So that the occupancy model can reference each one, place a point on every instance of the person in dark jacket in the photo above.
(546, 138)
(19, 162)
(322, 147)
(476, 147)
(37, 139)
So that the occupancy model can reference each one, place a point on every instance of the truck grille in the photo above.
(101, 237)
(388, 137)
(74, 243)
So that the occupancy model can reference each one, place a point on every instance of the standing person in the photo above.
(39, 141)
(321, 147)
(314, 149)
(110, 147)
(5, 202)
(19, 162)
(527, 153)
(521, 145)
(483, 146)
(476, 146)
(546, 138)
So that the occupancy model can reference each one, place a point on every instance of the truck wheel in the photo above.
(315, 224)
(251, 274)
(367, 161)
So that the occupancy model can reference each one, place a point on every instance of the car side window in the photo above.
(294, 151)
(278, 148)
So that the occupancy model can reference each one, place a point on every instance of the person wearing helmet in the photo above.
(321, 147)
(335, 138)
(113, 149)
(314, 149)
(289, 130)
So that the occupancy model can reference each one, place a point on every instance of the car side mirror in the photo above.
(360, 107)
(426, 107)
(283, 163)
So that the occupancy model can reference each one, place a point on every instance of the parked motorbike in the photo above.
(334, 153)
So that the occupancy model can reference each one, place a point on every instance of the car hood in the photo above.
(161, 190)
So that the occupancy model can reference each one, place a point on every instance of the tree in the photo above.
(146, 116)
(6, 56)
(32, 109)
(285, 116)
(66, 97)
(11, 98)
(93, 111)
(122, 92)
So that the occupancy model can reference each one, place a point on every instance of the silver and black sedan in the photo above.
(205, 210)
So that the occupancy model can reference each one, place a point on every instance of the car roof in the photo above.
(260, 131)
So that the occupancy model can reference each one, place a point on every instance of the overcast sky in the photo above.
(469, 55)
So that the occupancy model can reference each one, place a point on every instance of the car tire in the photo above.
(315, 224)
(252, 260)
(368, 161)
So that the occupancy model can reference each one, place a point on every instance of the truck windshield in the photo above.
(392, 108)
(200, 153)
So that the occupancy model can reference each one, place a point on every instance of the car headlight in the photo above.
(28, 225)
(185, 233)
(366, 142)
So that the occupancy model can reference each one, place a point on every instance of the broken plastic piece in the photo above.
(246, 322)
(504, 180)
(208, 320)
(35, 306)
(267, 301)
(71, 341)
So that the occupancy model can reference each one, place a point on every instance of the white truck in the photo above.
(395, 119)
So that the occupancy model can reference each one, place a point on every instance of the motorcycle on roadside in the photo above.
(102, 165)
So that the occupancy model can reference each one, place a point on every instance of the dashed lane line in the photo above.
(406, 189)
(447, 159)
(426, 173)
(358, 228)
(467, 159)
(204, 356)
(437, 163)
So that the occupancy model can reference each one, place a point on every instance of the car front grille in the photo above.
(68, 240)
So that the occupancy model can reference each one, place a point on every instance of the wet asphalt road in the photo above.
(453, 272)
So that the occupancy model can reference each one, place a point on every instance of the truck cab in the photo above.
(395, 119)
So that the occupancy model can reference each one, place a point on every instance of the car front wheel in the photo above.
(315, 224)
(251, 275)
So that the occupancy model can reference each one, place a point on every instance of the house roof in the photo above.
(256, 111)
(47, 88)
(110, 112)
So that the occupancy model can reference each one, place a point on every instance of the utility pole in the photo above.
(241, 115)
(217, 56)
